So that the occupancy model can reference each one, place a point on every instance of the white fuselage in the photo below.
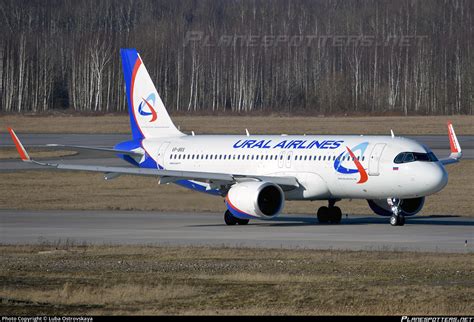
(322, 164)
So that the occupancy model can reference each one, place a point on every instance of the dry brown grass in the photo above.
(201, 280)
(271, 124)
(76, 190)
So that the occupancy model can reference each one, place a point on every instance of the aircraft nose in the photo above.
(437, 178)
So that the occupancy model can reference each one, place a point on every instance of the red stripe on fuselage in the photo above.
(363, 174)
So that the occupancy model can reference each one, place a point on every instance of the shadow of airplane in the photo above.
(289, 221)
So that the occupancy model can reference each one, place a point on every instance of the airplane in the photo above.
(256, 174)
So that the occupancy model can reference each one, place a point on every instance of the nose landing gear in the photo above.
(330, 214)
(397, 218)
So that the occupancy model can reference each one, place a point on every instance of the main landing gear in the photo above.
(330, 214)
(397, 218)
(231, 220)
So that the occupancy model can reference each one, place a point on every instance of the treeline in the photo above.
(305, 56)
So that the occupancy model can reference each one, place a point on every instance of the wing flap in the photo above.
(134, 154)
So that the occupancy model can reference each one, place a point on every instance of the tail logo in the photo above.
(350, 156)
(149, 106)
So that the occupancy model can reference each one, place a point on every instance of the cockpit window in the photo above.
(406, 157)
(399, 158)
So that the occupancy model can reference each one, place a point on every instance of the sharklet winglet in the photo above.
(19, 147)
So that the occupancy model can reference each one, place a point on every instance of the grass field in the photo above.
(79, 190)
(272, 124)
(65, 279)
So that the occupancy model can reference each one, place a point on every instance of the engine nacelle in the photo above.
(408, 207)
(254, 199)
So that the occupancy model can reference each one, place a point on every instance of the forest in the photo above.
(308, 57)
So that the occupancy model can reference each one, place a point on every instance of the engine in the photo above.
(408, 207)
(253, 199)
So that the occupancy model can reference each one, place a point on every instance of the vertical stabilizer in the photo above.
(148, 115)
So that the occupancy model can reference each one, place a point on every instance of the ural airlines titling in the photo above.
(288, 144)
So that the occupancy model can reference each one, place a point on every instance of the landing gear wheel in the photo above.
(394, 220)
(335, 215)
(323, 214)
(242, 221)
(229, 219)
(401, 220)
(397, 220)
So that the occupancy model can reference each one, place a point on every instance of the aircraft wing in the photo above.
(165, 176)
(456, 152)
(136, 153)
